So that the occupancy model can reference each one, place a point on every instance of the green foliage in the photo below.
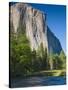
(20, 55)
(23, 61)
(62, 60)
(58, 61)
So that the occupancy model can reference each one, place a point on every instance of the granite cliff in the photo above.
(36, 27)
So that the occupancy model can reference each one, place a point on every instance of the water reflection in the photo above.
(38, 81)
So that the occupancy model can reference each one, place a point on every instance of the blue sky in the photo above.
(56, 20)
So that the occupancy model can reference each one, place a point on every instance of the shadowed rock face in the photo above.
(35, 25)
(54, 45)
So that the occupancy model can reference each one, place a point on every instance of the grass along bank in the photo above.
(49, 73)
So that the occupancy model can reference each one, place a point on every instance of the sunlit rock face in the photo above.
(35, 25)
(36, 28)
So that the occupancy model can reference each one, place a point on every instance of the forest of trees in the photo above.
(23, 61)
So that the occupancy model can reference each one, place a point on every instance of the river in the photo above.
(37, 81)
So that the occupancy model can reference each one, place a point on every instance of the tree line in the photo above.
(23, 61)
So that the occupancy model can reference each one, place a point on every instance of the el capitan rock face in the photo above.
(54, 45)
(35, 25)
